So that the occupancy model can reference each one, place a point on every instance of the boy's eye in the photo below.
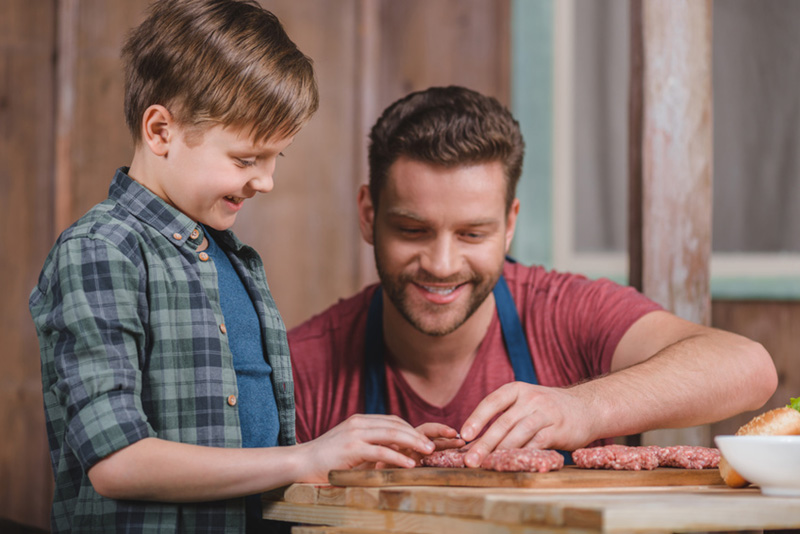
(245, 162)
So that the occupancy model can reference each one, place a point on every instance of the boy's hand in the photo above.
(371, 439)
(443, 437)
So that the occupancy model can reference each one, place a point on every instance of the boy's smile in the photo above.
(209, 175)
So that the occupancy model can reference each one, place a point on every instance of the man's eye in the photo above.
(474, 236)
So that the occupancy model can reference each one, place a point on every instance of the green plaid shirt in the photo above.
(128, 317)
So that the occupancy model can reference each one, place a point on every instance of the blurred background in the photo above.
(559, 64)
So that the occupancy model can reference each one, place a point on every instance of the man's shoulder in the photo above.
(540, 288)
(344, 318)
(522, 278)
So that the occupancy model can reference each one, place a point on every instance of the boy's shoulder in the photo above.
(130, 214)
(107, 224)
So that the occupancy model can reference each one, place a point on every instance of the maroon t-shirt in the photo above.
(572, 325)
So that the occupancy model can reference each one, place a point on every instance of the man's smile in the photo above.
(440, 290)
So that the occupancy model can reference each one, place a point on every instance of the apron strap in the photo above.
(374, 371)
(513, 335)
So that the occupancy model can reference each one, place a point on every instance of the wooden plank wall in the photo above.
(63, 136)
(27, 34)
(774, 325)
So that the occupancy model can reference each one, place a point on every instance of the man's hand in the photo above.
(527, 416)
(364, 439)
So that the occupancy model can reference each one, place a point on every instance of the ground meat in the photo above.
(622, 457)
(619, 457)
(689, 457)
(445, 458)
(528, 460)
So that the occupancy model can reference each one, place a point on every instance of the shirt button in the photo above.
(231, 400)
(223, 329)
(177, 236)
(203, 256)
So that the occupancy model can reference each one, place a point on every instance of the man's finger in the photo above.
(496, 402)
(498, 430)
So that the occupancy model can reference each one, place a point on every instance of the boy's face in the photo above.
(209, 179)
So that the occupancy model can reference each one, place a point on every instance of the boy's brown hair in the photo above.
(211, 62)
(446, 126)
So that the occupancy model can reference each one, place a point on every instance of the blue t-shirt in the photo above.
(258, 412)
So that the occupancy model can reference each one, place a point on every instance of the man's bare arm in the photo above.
(666, 373)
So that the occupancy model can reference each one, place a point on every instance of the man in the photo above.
(450, 334)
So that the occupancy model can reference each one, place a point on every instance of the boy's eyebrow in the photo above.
(257, 150)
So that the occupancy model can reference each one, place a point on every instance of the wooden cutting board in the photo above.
(568, 477)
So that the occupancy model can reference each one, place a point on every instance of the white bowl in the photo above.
(771, 462)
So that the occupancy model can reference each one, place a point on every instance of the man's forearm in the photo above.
(705, 377)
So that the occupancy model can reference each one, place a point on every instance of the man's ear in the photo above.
(158, 129)
(511, 222)
(366, 214)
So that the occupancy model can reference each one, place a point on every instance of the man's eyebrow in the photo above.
(401, 213)
(397, 212)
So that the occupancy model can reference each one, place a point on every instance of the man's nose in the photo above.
(441, 258)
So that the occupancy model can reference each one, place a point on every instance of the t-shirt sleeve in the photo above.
(602, 311)
(91, 332)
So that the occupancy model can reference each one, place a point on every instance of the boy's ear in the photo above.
(158, 129)
(366, 214)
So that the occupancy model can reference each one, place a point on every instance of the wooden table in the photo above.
(461, 510)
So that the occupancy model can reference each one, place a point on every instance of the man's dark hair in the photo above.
(446, 126)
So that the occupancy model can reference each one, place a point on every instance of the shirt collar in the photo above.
(153, 210)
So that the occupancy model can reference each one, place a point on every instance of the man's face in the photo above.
(209, 178)
(440, 237)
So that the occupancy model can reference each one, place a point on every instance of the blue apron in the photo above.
(513, 335)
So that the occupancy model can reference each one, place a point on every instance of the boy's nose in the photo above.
(262, 183)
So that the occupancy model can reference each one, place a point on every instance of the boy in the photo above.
(165, 366)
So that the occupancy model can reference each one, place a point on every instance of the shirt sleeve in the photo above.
(91, 328)
(602, 312)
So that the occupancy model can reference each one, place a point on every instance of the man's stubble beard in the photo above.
(482, 286)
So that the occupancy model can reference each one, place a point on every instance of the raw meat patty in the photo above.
(445, 458)
(618, 457)
(689, 457)
(528, 460)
